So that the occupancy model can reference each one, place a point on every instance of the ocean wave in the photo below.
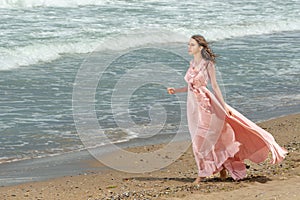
(33, 54)
(50, 51)
(36, 53)
(49, 3)
(11, 4)
(260, 28)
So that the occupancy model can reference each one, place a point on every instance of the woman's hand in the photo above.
(197, 84)
(171, 90)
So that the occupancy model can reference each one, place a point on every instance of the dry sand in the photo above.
(264, 181)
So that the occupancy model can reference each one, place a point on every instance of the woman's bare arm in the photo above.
(215, 86)
(177, 90)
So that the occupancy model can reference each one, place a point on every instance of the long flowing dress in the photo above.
(220, 140)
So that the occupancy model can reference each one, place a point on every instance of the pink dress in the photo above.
(220, 140)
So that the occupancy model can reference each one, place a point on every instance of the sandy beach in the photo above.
(264, 181)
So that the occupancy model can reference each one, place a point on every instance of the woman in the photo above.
(222, 138)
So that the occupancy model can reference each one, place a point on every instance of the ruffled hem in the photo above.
(214, 161)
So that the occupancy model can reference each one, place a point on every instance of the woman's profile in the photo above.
(222, 138)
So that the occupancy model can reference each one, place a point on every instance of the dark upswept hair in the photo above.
(206, 51)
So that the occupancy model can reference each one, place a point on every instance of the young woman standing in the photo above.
(222, 138)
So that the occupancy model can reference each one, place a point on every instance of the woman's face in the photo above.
(193, 47)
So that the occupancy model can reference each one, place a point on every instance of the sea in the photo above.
(72, 69)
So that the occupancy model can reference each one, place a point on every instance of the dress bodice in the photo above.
(197, 76)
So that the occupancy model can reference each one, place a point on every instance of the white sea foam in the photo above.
(48, 3)
(33, 54)
(261, 28)
(59, 3)
(90, 29)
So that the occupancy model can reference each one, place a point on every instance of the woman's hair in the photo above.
(206, 52)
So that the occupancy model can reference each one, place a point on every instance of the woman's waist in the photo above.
(198, 88)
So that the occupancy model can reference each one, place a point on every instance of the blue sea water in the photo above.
(45, 43)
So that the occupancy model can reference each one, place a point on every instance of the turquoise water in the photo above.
(44, 43)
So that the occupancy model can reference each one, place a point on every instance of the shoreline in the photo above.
(72, 163)
(93, 180)
(69, 163)
(127, 144)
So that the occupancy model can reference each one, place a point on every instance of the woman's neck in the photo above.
(197, 58)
